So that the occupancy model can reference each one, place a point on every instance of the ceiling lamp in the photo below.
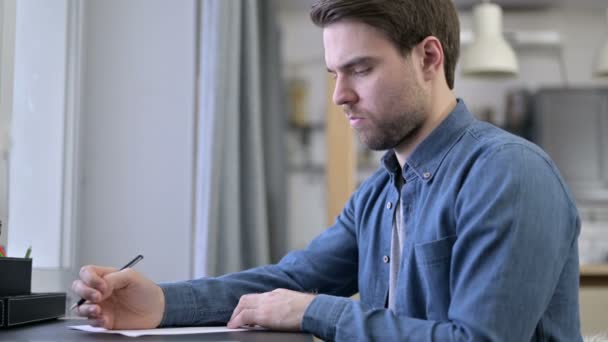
(490, 55)
(601, 64)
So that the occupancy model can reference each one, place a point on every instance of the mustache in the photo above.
(352, 112)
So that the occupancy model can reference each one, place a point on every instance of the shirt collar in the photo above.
(427, 156)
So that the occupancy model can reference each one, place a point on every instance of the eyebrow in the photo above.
(354, 62)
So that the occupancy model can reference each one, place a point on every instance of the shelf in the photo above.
(594, 275)
(597, 270)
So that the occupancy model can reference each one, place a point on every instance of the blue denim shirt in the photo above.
(490, 252)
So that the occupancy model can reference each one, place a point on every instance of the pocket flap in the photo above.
(433, 252)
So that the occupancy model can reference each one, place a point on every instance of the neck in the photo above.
(441, 105)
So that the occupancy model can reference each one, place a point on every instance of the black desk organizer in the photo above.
(18, 305)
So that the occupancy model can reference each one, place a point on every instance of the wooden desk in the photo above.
(57, 330)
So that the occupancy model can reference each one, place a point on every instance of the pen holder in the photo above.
(18, 305)
(15, 276)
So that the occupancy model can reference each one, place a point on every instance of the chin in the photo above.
(376, 146)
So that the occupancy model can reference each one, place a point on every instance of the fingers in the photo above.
(280, 310)
(92, 286)
(251, 311)
(94, 313)
(239, 307)
(88, 293)
(247, 301)
(91, 311)
(244, 317)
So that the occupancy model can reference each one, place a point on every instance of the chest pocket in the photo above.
(433, 261)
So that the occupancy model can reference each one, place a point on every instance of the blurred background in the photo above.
(200, 133)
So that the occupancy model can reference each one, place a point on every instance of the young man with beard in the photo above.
(465, 233)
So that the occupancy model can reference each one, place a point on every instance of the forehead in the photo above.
(346, 40)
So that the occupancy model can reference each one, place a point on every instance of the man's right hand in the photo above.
(119, 299)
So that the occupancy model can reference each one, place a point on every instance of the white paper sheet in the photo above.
(159, 331)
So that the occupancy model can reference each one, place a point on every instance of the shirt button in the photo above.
(386, 259)
(426, 175)
(389, 205)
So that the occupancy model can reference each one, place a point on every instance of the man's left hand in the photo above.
(278, 310)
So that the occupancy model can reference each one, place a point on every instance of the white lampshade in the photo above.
(601, 64)
(490, 55)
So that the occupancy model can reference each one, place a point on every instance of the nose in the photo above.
(343, 93)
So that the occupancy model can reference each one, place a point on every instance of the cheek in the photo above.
(391, 98)
(384, 96)
(371, 95)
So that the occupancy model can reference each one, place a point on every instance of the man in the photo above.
(465, 233)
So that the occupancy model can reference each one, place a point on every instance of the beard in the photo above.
(391, 132)
(404, 114)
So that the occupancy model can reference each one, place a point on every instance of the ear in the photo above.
(430, 58)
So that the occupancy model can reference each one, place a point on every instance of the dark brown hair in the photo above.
(405, 22)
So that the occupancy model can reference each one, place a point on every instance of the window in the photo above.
(38, 80)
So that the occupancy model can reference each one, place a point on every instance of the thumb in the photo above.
(120, 279)
(99, 271)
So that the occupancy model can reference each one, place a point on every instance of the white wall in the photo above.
(138, 135)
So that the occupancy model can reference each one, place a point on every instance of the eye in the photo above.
(361, 71)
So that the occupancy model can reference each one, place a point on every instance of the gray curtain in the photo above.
(241, 189)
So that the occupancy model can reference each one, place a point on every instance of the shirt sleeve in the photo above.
(516, 238)
(327, 265)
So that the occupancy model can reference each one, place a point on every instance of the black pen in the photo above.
(130, 264)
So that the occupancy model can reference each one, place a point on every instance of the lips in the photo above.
(354, 118)
(355, 121)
